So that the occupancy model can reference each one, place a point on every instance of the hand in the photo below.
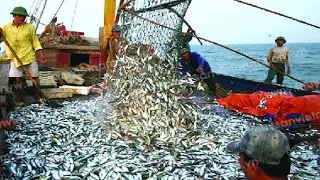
(272, 65)
(310, 86)
(288, 71)
(8, 124)
(200, 68)
(190, 30)
(43, 60)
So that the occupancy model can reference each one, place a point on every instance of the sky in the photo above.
(222, 21)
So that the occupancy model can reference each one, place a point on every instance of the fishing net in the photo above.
(139, 31)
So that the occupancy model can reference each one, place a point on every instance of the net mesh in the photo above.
(139, 31)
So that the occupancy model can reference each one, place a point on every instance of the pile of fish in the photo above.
(142, 128)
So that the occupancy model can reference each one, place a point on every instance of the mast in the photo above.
(109, 16)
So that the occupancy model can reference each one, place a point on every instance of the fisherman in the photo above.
(51, 28)
(278, 57)
(311, 86)
(24, 41)
(194, 64)
(264, 153)
(111, 45)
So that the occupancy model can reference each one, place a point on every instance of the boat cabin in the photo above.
(64, 55)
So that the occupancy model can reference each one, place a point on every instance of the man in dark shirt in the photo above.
(194, 64)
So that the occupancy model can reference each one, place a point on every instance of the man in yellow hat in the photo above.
(278, 58)
(24, 41)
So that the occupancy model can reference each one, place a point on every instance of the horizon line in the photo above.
(256, 43)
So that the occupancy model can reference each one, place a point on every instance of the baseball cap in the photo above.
(262, 143)
(116, 28)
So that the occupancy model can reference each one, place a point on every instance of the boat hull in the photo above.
(240, 85)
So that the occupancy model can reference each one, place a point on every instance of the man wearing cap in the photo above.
(111, 45)
(194, 64)
(278, 58)
(24, 41)
(264, 153)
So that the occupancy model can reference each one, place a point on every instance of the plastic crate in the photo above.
(83, 90)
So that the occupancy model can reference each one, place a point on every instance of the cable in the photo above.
(74, 12)
(255, 6)
(58, 9)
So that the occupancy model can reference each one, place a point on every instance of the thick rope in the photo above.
(255, 6)
(58, 9)
(212, 42)
(118, 12)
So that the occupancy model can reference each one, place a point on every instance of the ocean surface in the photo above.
(305, 61)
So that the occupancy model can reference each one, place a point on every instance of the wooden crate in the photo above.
(46, 73)
(43, 82)
(58, 93)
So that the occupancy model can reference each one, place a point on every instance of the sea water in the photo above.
(304, 57)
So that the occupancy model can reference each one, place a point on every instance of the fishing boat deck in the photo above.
(77, 117)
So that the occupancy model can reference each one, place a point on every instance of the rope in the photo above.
(118, 12)
(74, 13)
(36, 7)
(182, 18)
(31, 19)
(32, 5)
(58, 9)
(255, 6)
(212, 42)
(42, 11)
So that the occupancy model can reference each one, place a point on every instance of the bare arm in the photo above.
(288, 63)
(105, 44)
(40, 52)
(270, 55)
(288, 60)
(43, 59)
